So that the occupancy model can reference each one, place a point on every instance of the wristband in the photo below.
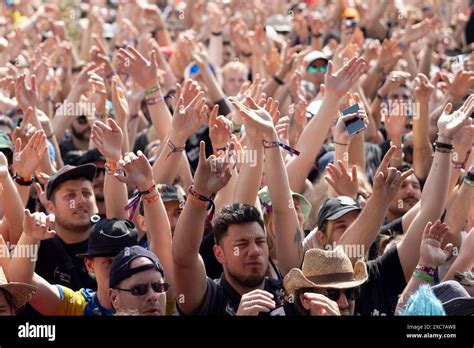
(423, 276)
(173, 148)
(428, 270)
(443, 146)
(209, 200)
(278, 80)
(317, 35)
(457, 165)
(133, 204)
(112, 168)
(335, 142)
(218, 33)
(247, 55)
(22, 181)
(381, 97)
(271, 144)
(152, 90)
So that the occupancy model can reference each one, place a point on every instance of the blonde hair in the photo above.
(235, 66)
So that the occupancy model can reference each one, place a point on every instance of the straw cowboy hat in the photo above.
(326, 269)
(21, 292)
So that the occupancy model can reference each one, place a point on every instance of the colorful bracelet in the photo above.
(133, 204)
(112, 168)
(271, 144)
(428, 270)
(152, 90)
(423, 276)
(278, 80)
(209, 200)
(457, 165)
(22, 181)
(469, 182)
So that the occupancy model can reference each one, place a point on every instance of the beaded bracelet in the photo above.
(22, 181)
(271, 144)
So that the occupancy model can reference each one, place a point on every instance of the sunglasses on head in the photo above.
(142, 289)
(315, 69)
(335, 294)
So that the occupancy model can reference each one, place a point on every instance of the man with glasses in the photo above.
(137, 283)
(107, 239)
(327, 284)
(316, 68)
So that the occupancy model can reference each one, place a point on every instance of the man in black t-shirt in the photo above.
(241, 247)
(70, 196)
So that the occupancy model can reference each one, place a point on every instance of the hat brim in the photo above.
(21, 292)
(99, 254)
(295, 279)
(342, 212)
(459, 306)
(86, 171)
(304, 204)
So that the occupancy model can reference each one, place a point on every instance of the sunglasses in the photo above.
(82, 119)
(335, 294)
(142, 289)
(315, 69)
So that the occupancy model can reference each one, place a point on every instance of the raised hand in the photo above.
(431, 253)
(143, 71)
(282, 127)
(120, 103)
(26, 96)
(338, 83)
(188, 118)
(98, 95)
(393, 81)
(460, 85)
(220, 129)
(188, 91)
(388, 180)
(423, 88)
(449, 124)
(389, 55)
(108, 139)
(26, 160)
(258, 121)
(212, 174)
(37, 225)
(254, 302)
(318, 304)
(343, 183)
(138, 171)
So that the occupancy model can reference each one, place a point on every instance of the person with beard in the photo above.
(407, 197)
(77, 138)
(241, 247)
(96, 158)
(70, 197)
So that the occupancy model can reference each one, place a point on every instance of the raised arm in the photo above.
(189, 271)
(138, 174)
(336, 85)
(22, 267)
(108, 138)
(364, 229)
(422, 149)
(435, 191)
(289, 237)
(432, 255)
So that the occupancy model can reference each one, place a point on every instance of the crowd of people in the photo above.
(234, 157)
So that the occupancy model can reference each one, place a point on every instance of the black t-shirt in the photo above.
(206, 250)
(222, 300)
(391, 228)
(379, 295)
(58, 264)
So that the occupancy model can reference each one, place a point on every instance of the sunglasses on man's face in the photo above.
(142, 289)
(335, 294)
(314, 69)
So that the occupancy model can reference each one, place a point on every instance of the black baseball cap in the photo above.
(335, 207)
(68, 172)
(120, 268)
(90, 156)
(109, 237)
